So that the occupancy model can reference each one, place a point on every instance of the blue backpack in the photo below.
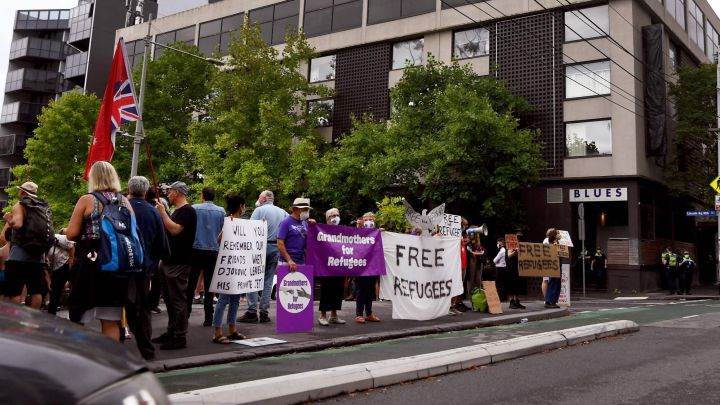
(121, 248)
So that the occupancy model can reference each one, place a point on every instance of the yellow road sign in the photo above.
(716, 184)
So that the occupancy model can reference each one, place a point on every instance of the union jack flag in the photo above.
(119, 107)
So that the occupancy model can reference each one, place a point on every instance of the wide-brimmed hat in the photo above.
(29, 188)
(301, 202)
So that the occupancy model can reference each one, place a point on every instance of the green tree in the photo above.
(693, 150)
(390, 215)
(57, 152)
(177, 88)
(259, 133)
(453, 137)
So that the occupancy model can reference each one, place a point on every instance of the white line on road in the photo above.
(630, 298)
(689, 316)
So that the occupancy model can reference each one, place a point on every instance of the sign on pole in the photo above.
(565, 286)
(538, 260)
(240, 265)
(716, 184)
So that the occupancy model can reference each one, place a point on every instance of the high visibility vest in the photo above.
(665, 258)
(673, 260)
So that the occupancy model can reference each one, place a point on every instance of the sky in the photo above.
(7, 19)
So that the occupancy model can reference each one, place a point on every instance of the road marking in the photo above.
(689, 316)
(630, 298)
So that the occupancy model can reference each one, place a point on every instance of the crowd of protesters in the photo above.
(180, 251)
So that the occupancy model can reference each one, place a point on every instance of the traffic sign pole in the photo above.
(581, 236)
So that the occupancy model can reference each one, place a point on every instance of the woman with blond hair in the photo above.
(95, 294)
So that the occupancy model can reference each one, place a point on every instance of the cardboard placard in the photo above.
(240, 264)
(563, 251)
(511, 241)
(450, 226)
(564, 298)
(564, 238)
(538, 260)
(493, 299)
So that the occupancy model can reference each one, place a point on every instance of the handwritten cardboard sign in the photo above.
(538, 260)
(240, 265)
(450, 226)
(563, 250)
(511, 241)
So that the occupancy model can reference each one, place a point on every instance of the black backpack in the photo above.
(36, 235)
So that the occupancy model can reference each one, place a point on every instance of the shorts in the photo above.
(102, 313)
(24, 274)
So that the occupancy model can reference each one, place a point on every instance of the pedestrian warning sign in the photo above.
(716, 184)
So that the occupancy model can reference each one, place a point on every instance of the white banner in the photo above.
(423, 274)
(564, 299)
(240, 265)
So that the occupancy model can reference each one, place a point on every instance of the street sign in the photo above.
(716, 184)
(581, 221)
(700, 213)
(717, 203)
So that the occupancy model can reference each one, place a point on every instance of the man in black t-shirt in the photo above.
(175, 267)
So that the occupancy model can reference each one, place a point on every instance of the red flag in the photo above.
(118, 107)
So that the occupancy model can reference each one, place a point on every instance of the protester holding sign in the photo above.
(331, 288)
(366, 285)
(292, 234)
(553, 286)
(235, 206)
(513, 279)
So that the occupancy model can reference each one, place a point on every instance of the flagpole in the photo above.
(139, 128)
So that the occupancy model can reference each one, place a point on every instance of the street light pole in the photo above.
(717, 134)
(139, 128)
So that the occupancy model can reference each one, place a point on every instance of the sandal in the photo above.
(236, 336)
(221, 340)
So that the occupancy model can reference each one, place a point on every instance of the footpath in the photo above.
(201, 351)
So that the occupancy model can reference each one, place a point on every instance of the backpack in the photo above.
(478, 299)
(121, 248)
(36, 235)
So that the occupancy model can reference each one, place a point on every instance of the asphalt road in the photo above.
(673, 359)
(645, 313)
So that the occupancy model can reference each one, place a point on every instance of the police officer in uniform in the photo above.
(665, 261)
(674, 272)
(686, 269)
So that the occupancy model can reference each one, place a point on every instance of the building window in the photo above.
(586, 23)
(696, 25)
(323, 109)
(471, 43)
(676, 8)
(587, 79)
(673, 57)
(276, 20)
(185, 35)
(712, 43)
(135, 51)
(322, 69)
(215, 36)
(589, 138)
(326, 16)
(408, 53)
(388, 10)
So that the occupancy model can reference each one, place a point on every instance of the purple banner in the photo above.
(294, 299)
(344, 251)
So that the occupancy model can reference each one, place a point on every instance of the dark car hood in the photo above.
(46, 359)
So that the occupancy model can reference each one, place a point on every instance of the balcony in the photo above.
(12, 144)
(35, 20)
(34, 49)
(20, 112)
(75, 67)
(43, 81)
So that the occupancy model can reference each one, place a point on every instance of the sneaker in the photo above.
(460, 307)
(359, 319)
(452, 312)
(248, 317)
(174, 344)
(372, 318)
(552, 306)
(513, 305)
(519, 305)
(264, 318)
(323, 321)
(164, 338)
(156, 310)
(337, 321)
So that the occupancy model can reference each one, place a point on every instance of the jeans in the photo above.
(271, 261)
(553, 291)
(232, 301)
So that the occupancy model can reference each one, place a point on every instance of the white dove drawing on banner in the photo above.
(425, 221)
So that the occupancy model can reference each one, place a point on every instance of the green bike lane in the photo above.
(216, 375)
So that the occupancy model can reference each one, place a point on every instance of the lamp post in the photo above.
(139, 127)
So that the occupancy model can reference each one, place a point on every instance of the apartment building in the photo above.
(596, 72)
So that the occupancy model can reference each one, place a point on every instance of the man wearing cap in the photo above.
(273, 216)
(175, 268)
(23, 268)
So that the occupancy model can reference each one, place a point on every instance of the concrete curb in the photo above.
(318, 384)
(322, 344)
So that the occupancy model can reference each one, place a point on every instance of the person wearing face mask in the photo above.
(331, 288)
(366, 285)
(292, 234)
(273, 216)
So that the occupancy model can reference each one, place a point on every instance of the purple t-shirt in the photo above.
(293, 232)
